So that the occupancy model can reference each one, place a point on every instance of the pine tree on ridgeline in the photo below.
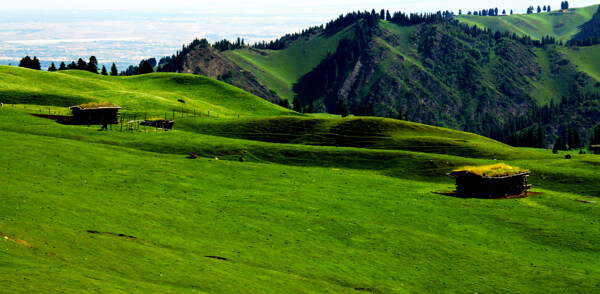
(113, 70)
(62, 66)
(104, 72)
(145, 68)
(81, 65)
(92, 65)
(52, 67)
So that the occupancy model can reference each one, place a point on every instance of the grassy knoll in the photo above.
(153, 94)
(563, 26)
(291, 218)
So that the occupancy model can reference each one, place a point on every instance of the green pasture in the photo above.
(318, 204)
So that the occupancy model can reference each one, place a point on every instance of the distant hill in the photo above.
(562, 25)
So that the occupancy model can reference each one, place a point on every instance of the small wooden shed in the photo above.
(492, 181)
(159, 123)
(95, 114)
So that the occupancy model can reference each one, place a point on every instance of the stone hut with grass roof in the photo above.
(491, 181)
(102, 113)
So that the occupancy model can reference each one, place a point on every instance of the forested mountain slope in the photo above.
(435, 69)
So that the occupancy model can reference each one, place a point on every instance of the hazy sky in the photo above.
(278, 6)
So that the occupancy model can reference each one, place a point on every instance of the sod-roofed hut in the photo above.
(491, 181)
(102, 113)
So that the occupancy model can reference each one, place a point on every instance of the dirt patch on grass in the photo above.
(16, 240)
(457, 195)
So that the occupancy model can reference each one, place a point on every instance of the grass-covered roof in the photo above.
(494, 170)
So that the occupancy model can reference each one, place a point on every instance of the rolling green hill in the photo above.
(561, 25)
(152, 94)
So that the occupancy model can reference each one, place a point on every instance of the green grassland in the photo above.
(280, 69)
(318, 205)
(587, 59)
(561, 25)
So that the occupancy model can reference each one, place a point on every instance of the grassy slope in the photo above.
(152, 94)
(292, 218)
(280, 69)
(586, 58)
(563, 26)
(283, 228)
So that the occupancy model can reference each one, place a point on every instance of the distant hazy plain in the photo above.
(126, 38)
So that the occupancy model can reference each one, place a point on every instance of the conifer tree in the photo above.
(311, 106)
(342, 108)
(62, 66)
(145, 68)
(104, 72)
(52, 67)
(296, 104)
(113, 70)
(81, 65)
(92, 65)
(540, 137)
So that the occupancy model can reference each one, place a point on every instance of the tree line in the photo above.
(91, 65)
